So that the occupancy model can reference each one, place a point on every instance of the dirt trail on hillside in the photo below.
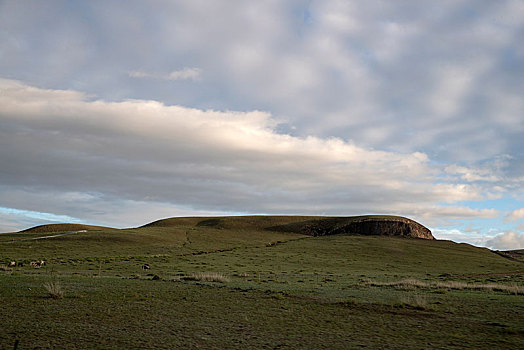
(45, 237)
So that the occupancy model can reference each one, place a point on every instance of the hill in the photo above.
(54, 228)
(379, 225)
(253, 222)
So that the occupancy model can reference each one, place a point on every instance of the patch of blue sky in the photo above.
(481, 226)
(304, 14)
(303, 20)
(484, 226)
(488, 226)
(49, 217)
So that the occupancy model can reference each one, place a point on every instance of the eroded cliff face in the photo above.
(364, 225)
(401, 227)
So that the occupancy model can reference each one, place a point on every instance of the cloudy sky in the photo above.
(120, 114)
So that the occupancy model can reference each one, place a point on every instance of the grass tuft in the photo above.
(208, 277)
(417, 302)
(54, 289)
(411, 284)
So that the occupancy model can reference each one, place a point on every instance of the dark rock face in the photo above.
(386, 227)
(364, 225)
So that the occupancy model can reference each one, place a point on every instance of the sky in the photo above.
(120, 114)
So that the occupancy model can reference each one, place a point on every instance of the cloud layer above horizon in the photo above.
(124, 115)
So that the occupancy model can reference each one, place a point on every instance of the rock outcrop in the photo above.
(376, 225)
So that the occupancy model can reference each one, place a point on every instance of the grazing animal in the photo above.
(12, 264)
(42, 262)
(35, 264)
(20, 264)
(146, 267)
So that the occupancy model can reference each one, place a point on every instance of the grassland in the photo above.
(270, 289)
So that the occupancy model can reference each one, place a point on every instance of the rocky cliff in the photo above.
(377, 225)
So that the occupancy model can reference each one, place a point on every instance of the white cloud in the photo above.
(507, 241)
(472, 175)
(183, 74)
(139, 74)
(503, 241)
(456, 235)
(515, 215)
(186, 73)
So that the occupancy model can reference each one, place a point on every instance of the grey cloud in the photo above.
(92, 208)
(143, 151)
(13, 223)
(437, 78)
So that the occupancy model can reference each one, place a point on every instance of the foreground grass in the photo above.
(140, 313)
(232, 285)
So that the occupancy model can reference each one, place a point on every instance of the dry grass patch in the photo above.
(414, 284)
(54, 289)
(208, 277)
(5, 268)
(418, 302)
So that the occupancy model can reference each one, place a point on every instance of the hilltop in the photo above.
(378, 225)
(53, 228)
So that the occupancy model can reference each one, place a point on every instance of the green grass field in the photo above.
(272, 290)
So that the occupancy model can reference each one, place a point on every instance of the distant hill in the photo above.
(516, 255)
(258, 222)
(375, 225)
(51, 228)
(379, 225)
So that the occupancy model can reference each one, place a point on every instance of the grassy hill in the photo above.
(233, 282)
(52, 228)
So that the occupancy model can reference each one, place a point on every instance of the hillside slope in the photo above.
(53, 228)
(376, 225)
